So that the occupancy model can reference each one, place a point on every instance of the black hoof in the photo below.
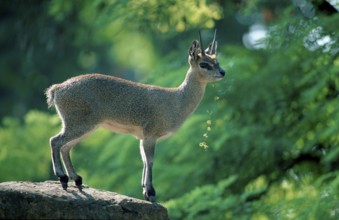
(64, 180)
(151, 199)
(150, 195)
(78, 183)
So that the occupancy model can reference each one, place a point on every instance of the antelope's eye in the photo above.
(205, 66)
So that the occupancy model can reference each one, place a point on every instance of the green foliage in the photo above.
(215, 206)
(24, 152)
(263, 144)
(278, 118)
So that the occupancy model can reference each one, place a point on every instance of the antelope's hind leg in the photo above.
(62, 144)
(65, 153)
(56, 143)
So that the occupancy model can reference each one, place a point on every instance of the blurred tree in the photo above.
(268, 133)
(47, 42)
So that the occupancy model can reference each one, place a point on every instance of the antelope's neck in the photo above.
(191, 92)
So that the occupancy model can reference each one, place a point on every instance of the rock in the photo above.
(41, 200)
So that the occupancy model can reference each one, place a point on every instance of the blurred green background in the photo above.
(264, 142)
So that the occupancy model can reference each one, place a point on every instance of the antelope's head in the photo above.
(205, 62)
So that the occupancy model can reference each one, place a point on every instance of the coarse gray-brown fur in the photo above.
(148, 112)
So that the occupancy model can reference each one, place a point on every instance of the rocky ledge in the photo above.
(47, 200)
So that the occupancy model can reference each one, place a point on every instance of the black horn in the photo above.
(214, 44)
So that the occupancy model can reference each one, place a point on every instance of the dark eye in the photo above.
(205, 66)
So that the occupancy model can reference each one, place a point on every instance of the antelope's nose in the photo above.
(221, 71)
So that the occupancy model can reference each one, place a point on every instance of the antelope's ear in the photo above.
(194, 50)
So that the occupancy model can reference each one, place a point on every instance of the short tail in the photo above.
(50, 95)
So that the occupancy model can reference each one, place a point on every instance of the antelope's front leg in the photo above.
(147, 155)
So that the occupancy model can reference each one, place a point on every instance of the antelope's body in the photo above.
(148, 112)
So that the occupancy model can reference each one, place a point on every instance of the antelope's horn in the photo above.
(214, 44)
